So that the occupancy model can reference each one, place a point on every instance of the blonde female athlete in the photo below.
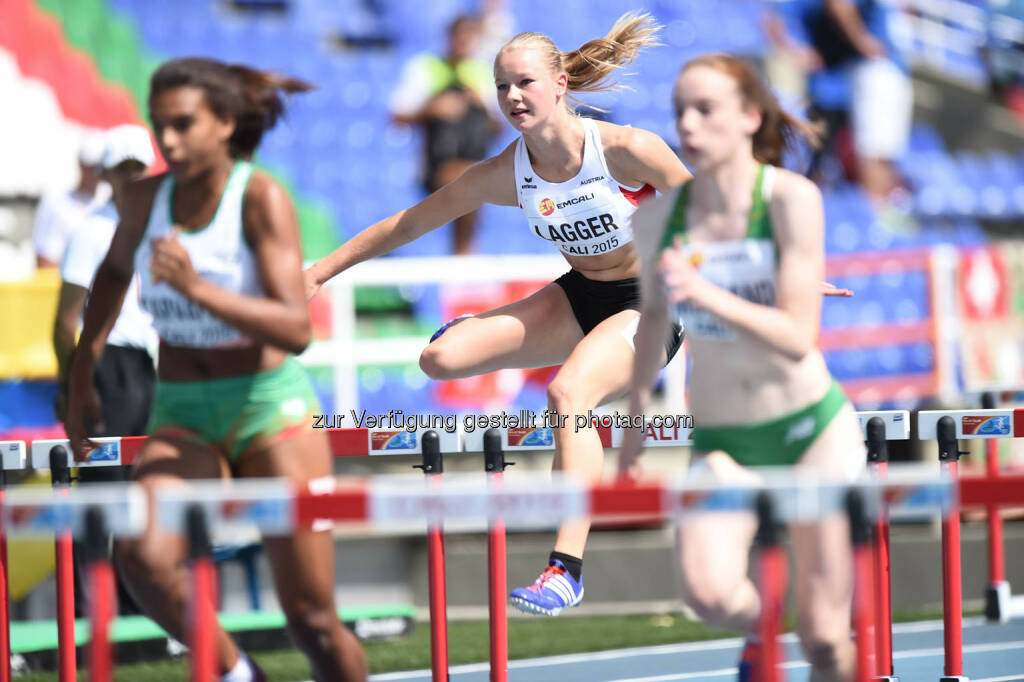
(578, 182)
(740, 250)
(217, 245)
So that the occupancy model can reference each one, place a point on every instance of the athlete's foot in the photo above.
(553, 591)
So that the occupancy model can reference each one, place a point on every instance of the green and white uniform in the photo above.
(232, 414)
(748, 268)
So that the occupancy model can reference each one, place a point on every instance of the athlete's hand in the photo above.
(829, 289)
(629, 452)
(83, 403)
(172, 264)
(682, 280)
(311, 283)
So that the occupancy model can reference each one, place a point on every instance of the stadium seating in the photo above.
(338, 145)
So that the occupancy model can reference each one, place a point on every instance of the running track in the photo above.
(992, 653)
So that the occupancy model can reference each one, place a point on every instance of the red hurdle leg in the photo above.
(772, 577)
(202, 610)
(61, 477)
(433, 467)
(102, 598)
(952, 596)
(497, 573)
(997, 595)
(863, 586)
(883, 589)
(102, 604)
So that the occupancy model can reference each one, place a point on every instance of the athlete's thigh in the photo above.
(824, 581)
(537, 331)
(166, 463)
(302, 561)
(715, 547)
(838, 451)
(601, 364)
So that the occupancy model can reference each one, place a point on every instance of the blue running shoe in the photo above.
(447, 324)
(748, 662)
(553, 591)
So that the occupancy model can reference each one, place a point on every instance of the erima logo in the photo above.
(526, 179)
(799, 430)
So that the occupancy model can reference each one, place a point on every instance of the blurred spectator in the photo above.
(452, 98)
(1004, 54)
(125, 377)
(856, 78)
(58, 214)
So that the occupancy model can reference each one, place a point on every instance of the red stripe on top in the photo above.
(130, 448)
(349, 442)
(349, 504)
(635, 196)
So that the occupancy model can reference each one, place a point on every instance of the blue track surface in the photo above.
(992, 653)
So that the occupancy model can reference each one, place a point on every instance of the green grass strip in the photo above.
(41, 635)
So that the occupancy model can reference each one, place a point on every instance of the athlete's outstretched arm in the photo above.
(792, 326)
(489, 181)
(102, 309)
(648, 224)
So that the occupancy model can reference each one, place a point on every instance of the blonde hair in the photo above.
(778, 130)
(590, 65)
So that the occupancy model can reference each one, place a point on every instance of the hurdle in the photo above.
(877, 427)
(537, 502)
(947, 427)
(355, 442)
(52, 454)
(361, 442)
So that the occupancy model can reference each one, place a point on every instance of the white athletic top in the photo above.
(86, 249)
(588, 215)
(747, 267)
(58, 215)
(219, 253)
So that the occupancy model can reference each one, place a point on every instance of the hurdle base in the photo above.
(997, 602)
(954, 678)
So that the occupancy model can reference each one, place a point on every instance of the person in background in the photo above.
(857, 78)
(446, 96)
(125, 376)
(58, 214)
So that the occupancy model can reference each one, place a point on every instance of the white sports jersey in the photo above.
(586, 216)
(86, 249)
(219, 253)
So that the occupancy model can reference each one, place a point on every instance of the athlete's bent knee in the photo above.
(821, 654)
(312, 626)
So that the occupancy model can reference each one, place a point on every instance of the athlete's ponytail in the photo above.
(779, 130)
(590, 66)
(253, 98)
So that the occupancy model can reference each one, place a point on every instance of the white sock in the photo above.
(242, 672)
